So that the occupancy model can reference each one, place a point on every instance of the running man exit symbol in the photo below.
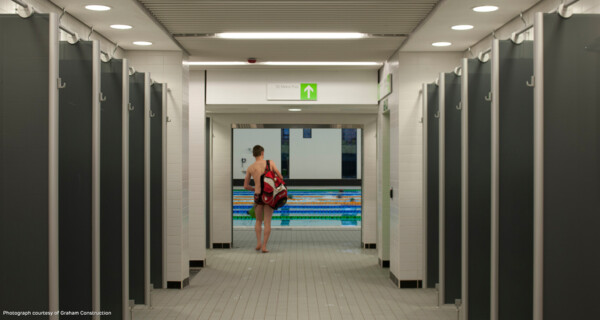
(308, 91)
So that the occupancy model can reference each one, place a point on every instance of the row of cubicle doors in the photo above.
(82, 158)
(512, 143)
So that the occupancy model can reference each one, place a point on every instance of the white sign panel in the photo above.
(283, 91)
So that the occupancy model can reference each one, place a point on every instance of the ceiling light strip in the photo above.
(285, 63)
(274, 37)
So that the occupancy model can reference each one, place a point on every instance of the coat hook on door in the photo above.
(130, 107)
(488, 97)
(152, 114)
(61, 84)
(531, 83)
(102, 97)
(436, 115)
(459, 106)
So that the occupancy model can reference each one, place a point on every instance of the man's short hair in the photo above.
(257, 150)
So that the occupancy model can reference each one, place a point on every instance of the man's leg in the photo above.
(258, 227)
(268, 214)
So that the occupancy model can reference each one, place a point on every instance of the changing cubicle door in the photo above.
(114, 209)
(158, 93)
(567, 166)
(450, 188)
(78, 182)
(431, 117)
(512, 180)
(476, 183)
(137, 204)
(29, 162)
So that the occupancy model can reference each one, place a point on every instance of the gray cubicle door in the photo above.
(567, 166)
(432, 117)
(156, 184)
(114, 194)
(477, 176)
(450, 207)
(28, 166)
(137, 282)
(513, 203)
(77, 100)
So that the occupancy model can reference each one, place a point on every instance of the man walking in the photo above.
(263, 211)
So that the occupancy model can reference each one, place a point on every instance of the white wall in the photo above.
(249, 87)
(221, 217)
(323, 148)
(410, 70)
(243, 142)
(319, 157)
(167, 67)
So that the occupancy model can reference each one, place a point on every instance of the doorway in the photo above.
(322, 167)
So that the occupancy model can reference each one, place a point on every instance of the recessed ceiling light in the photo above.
(485, 8)
(441, 44)
(461, 27)
(97, 7)
(121, 26)
(294, 110)
(142, 43)
(290, 35)
(320, 63)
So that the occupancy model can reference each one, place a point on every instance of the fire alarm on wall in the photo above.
(251, 60)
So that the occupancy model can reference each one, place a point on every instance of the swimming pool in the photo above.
(305, 207)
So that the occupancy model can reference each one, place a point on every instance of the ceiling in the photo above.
(385, 17)
(123, 12)
(454, 12)
(171, 25)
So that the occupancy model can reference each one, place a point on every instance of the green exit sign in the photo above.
(308, 91)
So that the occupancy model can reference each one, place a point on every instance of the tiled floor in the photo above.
(307, 275)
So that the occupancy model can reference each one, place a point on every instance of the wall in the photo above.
(409, 71)
(45, 6)
(167, 67)
(319, 157)
(324, 147)
(243, 142)
(222, 175)
(249, 87)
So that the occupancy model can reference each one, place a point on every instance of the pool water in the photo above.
(305, 207)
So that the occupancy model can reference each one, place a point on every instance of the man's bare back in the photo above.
(257, 169)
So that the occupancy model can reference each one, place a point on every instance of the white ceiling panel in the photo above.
(369, 16)
(184, 18)
(371, 49)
